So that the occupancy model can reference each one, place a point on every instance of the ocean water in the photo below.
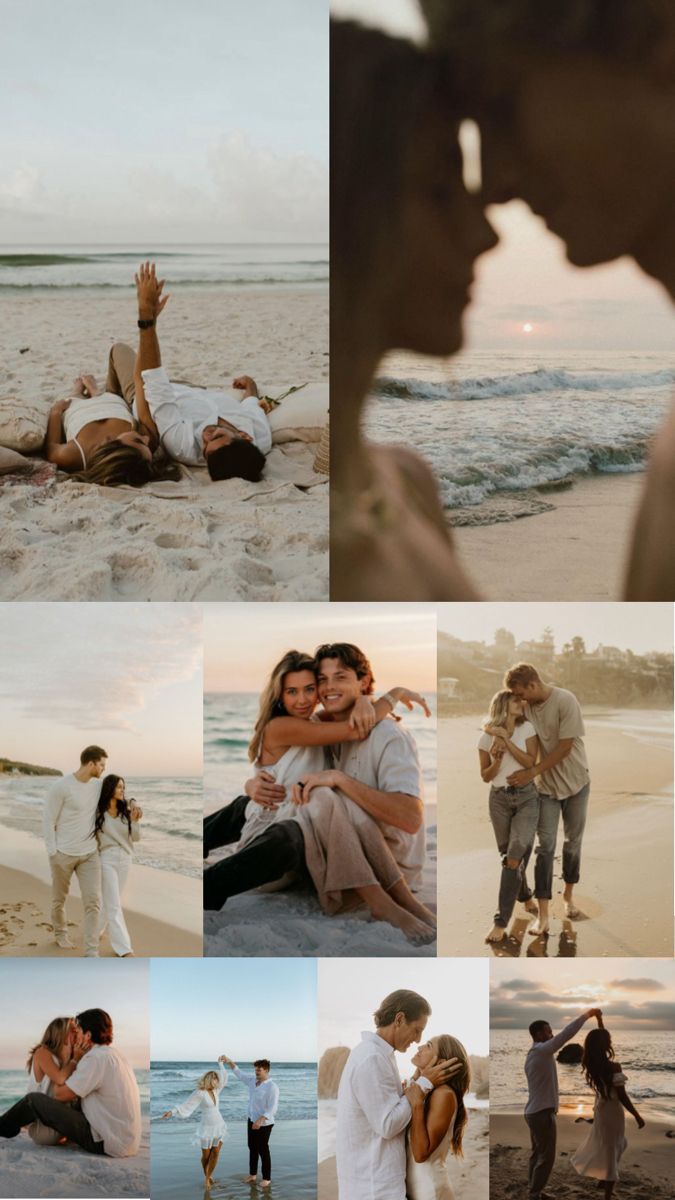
(14, 1085)
(647, 1059)
(173, 1082)
(503, 431)
(107, 266)
(229, 718)
(171, 829)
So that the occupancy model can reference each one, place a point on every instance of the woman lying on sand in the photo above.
(598, 1155)
(404, 236)
(116, 827)
(508, 743)
(51, 1062)
(438, 1121)
(94, 437)
(212, 1128)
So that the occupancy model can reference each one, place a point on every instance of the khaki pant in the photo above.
(88, 871)
(120, 379)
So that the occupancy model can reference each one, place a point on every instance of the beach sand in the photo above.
(647, 1168)
(163, 910)
(576, 551)
(190, 541)
(177, 1174)
(468, 1175)
(626, 888)
(291, 923)
(27, 1170)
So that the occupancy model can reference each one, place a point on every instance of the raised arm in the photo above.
(151, 302)
(566, 1034)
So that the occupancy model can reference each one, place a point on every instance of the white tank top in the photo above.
(294, 765)
(84, 409)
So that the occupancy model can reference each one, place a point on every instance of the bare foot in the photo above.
(386, 909)
(540, 928)
(90, 385)
(531, 906)
(250, 1178)
(571, 910)
(496, 934)
(78, 386)
(63, 942)
(266, 1183)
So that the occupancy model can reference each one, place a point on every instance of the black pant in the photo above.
(66, 1120)
(280, 849)
(224, 827)
(543, 1141)
(258, 1147)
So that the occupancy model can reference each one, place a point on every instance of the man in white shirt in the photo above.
(230, 435)
(263, 1101)
(373, 1111)
(68, 828)
(109, 1119)
(564, 788)
(542, 1102)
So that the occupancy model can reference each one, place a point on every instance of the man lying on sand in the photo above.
(109, 1118)
(195, 426)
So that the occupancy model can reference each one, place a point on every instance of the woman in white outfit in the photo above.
(342, 855)
(51, 1062)
(438, 1121)
(598, 1155)
(212, 1128)
(116, 828)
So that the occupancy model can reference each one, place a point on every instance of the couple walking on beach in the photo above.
(142, 425)
(534, 731)
(393, 1138)
(90, 829)
(263, 1101)
(597, 1156)
(82, 1090)
(337, 795)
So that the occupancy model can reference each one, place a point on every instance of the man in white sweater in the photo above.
(542, 1102)
(68, 827)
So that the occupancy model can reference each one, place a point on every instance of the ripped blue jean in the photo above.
(514, 812)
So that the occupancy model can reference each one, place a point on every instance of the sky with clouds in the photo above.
(125, 676)
(636, 994)
(163, 121)
(636, 627)
(527, 278)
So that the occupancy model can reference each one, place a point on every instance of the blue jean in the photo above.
(573, 810)
(514, 812)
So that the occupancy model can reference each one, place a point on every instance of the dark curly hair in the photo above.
(597, 1061)
(108, 786)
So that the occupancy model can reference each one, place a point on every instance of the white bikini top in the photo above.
(84, 409)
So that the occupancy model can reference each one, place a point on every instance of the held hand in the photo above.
(410, 699)
(520, 778)
(498, 731)
(264, 790)
(414, 1095)
(244, 383)
(149, 288)
(165, 1115)
(595, 1012)
(362, 716)
(442, 1071)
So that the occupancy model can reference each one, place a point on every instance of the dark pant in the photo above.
(258, 1148)
(224, 827)
(573, 810)
(543, 1138)
(66, 1120)
(280, 849)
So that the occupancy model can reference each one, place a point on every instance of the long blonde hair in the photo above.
(271, 704)
(499, 709)
(116, 464)
(448, 1046)
(52, 1039)
(209, 1081)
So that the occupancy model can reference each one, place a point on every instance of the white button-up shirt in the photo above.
(541, 1071)
(106, 1085)
(181, 414)
(372, 1116)
(263, 1098)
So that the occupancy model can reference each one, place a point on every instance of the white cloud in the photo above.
(262, 193)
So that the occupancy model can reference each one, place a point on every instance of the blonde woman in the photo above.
(51, 1062)
(508, 743)
(212, 1128)
(95, 436)
(438, 1121)
(341, 855)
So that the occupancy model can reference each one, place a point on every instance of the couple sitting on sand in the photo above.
(337, 794)
(575, 105)
(534, 729)
(597, 1157)
(110, 438)
(263, 1101)
(89, 830)
(392, 1139)
(83, 1090)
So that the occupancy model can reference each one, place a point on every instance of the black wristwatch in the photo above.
(146, 324)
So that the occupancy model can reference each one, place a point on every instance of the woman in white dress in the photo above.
(51, 1062)
(438, 1121)
(598, 1155)
(509, 743)
(343, 856)
(212, 1128)
(116, 827)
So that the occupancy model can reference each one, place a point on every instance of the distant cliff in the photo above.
(9, 767)
(333, 1061)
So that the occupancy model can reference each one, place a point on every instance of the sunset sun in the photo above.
(528, 327)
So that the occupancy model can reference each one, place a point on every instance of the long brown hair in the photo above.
(271, 704)
(597, 1061)
(116, 464)
(52, 1039)
(105, 796)
(448, 1046)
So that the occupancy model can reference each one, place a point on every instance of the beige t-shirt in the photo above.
(556, 719)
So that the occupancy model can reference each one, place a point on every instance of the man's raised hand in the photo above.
(149, 290)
